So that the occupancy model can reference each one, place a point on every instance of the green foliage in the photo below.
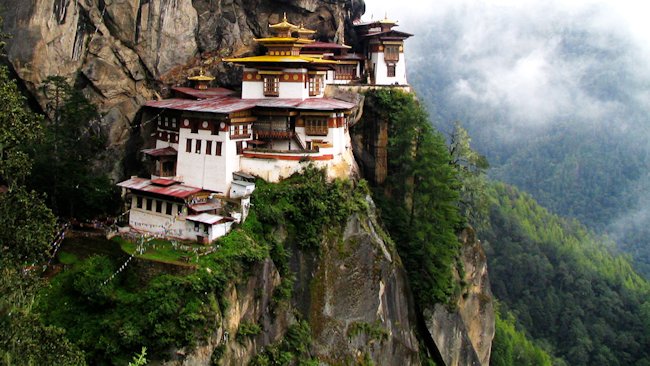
(292, 350)
(247, 330)
(306, 204)
(63, 162)
(140, 359)
(470, 168)
(374, 332)
(511, 347)
(419, 202)
(112, 321)
(564, 285)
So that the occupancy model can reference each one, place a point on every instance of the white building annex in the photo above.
(211, 144)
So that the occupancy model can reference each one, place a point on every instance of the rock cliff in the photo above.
(124, 52)
(464, 334)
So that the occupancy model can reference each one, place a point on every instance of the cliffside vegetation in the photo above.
(112, 322)
(564, 286)
(27, 227)
(419, 201)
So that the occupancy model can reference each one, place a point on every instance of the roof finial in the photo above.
(386, 15)
(284, 19)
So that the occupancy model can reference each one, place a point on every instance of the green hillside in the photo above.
(564, 285)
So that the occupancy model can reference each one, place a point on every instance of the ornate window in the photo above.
(316, 126)
(391, 53)
(315, 85)
(390, 71)
(271, 85)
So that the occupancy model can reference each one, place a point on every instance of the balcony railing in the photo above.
(274, 134)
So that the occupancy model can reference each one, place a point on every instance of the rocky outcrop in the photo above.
(360, 302)
(464, 334)
(248, 302)
(124, 52)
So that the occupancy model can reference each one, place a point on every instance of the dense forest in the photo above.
(564, 285)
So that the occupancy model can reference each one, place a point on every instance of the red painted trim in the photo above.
(288, 157)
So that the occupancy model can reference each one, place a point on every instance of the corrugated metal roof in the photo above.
(165, 151)
(145, 185)
(325, 45)
(203, 94)
(208, 206)
(226, 105)
(208, 218)
(222, 105)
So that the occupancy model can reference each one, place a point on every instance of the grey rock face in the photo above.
(464, 335)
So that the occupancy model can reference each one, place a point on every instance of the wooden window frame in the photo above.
(208, 147)
(316, 126)
(217, 150)
(159, 206)
(149, 204)
(197, 148)
(391, 71)
(188, 145)
(168, 208)
(391, 52)
(138, 202)
(271, 85)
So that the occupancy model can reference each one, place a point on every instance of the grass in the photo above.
(160, 251)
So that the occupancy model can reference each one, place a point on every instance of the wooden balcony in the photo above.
(274, 135)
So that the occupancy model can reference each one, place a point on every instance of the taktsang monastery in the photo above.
(211, 144)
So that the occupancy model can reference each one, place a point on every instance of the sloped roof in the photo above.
(176, 190)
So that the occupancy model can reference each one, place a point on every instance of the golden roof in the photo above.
(303, 30)
(387, 21)
(200, 77)
(289, 40)
(284, 24)
(280, 59)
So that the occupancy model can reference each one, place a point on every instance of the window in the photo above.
(245, 130)
(391, 53)
(316, 126)
(195, 127)
(240, 147)
(218, 148)
(188, 145)
(208, 147)
(315, 82)
(196, 226)
(168, 208)
(198, 147)
(271, 85)
(138, 202)
(180, 209)
(391, 71)
(159, 206)
(174, 122)
(149, 203)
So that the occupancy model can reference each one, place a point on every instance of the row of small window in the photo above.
(167, 122)
(151, 204)
(197, 148)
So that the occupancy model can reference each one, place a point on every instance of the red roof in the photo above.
(325, 45)
(226, 105)
(176, 190)
(166, 151)
(163, 182)
(203, 94)
(221, 105)
(390, 33)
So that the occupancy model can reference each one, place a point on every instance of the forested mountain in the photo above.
(557, 102)
(563, 284)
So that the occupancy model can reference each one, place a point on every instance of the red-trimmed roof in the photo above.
(325, 45)
(203, 94)
(222, 105)
(163, 182)
(145, 185)
(227, 105)
(390, 33)
(165, 151)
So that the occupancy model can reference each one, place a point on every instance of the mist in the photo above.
(516, 72)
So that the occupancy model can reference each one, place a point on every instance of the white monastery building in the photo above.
(211, 144)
